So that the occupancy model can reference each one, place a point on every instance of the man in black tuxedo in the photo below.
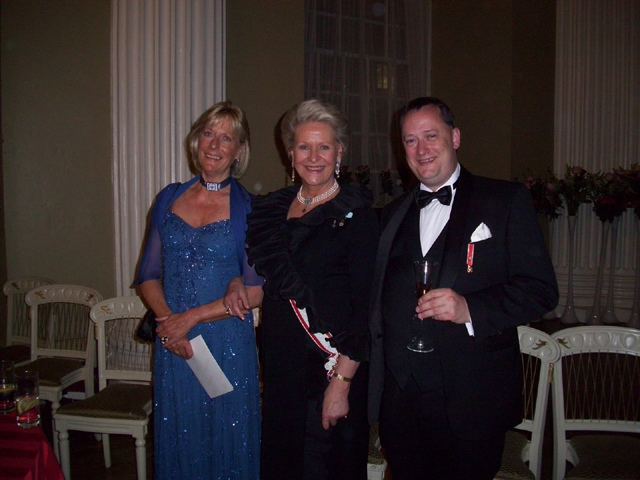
(444, 414)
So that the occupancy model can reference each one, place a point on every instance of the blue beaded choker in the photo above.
(214, 186)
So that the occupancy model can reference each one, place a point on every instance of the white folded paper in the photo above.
(207, 370)
(481, 232)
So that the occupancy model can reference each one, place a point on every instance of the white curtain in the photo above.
(597, 126)
(167, 67)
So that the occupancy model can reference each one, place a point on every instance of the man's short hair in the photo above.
(421, 102)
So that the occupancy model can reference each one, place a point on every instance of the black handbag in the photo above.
(146, 330)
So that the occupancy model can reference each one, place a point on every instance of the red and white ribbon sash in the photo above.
(320, 339)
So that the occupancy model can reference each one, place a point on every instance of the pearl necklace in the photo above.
(307, 202)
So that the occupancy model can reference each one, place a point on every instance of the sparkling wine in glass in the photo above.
(420, 341)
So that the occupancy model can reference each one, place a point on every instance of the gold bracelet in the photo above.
(342, 377)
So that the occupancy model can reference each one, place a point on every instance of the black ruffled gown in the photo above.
(324, 260)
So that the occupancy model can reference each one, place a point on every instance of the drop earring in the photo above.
(293, 171)
(338, 169)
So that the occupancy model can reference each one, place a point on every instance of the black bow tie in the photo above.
(423, 197)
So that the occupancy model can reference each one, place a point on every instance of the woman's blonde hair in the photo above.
(215, 114)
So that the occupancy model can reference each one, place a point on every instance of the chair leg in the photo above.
(88, 385)
(106, 450)
(141, 458)
(55, 404)
(64, 453)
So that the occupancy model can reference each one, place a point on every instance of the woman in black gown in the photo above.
(315, 245)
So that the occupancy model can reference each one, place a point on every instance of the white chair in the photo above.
(523, 445)
(597, 390)
(62, 341)
(123, 404)
(18, 323)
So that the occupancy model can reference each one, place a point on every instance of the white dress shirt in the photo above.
(433, 219)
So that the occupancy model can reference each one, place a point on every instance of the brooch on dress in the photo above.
(339, 223)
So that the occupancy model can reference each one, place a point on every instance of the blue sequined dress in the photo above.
(197, 437)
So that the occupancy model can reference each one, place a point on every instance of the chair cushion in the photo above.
(606, 456)
(512, 467)
(121, 400)
(52, 370)
(15, 353)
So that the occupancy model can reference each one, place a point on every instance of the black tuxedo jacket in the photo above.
(512, 283)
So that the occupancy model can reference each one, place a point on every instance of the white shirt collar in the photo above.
(452, 179)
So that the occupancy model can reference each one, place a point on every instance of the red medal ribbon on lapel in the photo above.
(470, 249)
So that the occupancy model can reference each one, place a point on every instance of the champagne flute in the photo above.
(420, 341)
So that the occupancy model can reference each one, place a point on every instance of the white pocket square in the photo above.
(481, 232)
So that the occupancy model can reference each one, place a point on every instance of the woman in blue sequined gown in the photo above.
(194, 248)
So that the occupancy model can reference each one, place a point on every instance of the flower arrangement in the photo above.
(631, 178)
(611, 193)
(363, 175)
(345, 175)
(609, 196)
(575, 188)
(546, 198)
(386, 182)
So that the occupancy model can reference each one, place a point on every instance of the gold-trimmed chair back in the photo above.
(18, 321)
(596, 403)
(62, 339)
(123, 403)
(60, 313)
(120, 355)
